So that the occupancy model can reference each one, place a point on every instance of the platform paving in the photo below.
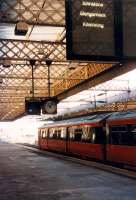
(28, 176)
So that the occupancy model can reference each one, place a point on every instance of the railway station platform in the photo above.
(25, 175)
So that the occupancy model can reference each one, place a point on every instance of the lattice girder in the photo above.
(39, 12)
(87, 71)
(26, 50)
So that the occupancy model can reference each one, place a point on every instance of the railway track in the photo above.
(101, 166)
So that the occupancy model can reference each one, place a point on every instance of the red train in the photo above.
(109, 137)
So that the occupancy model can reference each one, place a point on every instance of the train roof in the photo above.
(130, 114)
(80, 120)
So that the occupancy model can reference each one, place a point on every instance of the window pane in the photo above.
(120, 135)
(133, 134)
(134, 139)
(61, 135)
(87, 134)
(75, 133)
(115, 138)
(52, 133)
(126, 138)
(57, 133)
(99, 135)
(44, 134)
(116, 134)
(78, 134)
(78, 137)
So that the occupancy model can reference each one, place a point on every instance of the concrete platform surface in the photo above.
(27, 176)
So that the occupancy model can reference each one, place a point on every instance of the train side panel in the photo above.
(86, 141)
(121, 147)
(43, 138)
(44, 144)
(95, 151)
(122, 154)
(57, 139)
(57, 145)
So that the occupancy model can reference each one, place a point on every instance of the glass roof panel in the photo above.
(39, 33)
(46, 33)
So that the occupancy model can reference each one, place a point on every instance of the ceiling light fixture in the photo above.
(21, 27)
(7, 63)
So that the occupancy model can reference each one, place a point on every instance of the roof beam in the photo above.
(114, 71)
(32, 41)
(35, 23)
(26, 50)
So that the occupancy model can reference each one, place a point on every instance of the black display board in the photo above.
(101, 30)
(32, 107)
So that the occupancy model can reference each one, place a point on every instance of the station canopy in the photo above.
(45, 39)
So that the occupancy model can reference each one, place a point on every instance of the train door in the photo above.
(67, 140)
(121, 147)
(57, 139)
(44, 134)
(39, 138)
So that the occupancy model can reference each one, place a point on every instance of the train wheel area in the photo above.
(27, 175)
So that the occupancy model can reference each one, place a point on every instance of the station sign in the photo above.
(101, 30)
(38, 105)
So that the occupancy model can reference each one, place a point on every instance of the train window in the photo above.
(121, 135)
(54, 136)
(119, 128)
(88, 135)
(51, 133)
(61, 134)
(116, 133)
(99, 136)
(126, 139)
(115, 138)
(78, 135)
(58, 134)
(134, 139)
(133, 134)
(44, 134)
(75, 133)
(71, 131)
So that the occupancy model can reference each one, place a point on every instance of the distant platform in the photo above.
(29, 176)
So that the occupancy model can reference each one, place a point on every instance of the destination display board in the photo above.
(101, 30)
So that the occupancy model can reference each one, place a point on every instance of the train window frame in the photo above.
(125, 137)
(133, 134)
(52, 134)
(87, 135)
(62, 134)
(100, 135)
(74, 137)
(44, 134)
(57, 133)
(96, 136)
(115, 134)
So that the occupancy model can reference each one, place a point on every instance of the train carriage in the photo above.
(109, 137)
(87, 137)
(84, 136)
(121, 133)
